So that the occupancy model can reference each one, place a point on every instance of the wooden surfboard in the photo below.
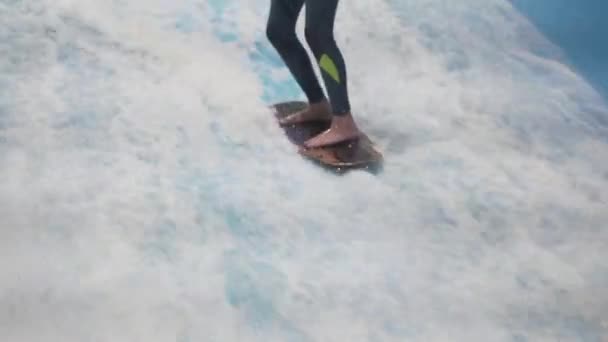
(356, 154)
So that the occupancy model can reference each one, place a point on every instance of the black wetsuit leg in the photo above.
(281, 32)
(320, 17)
(319, 32)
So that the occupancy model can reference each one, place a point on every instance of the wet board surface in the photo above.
(355, 154)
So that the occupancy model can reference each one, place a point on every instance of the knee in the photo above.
(277, 34)
(272, 33)
(318, 38)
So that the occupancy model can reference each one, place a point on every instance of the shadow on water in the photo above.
(580, 29)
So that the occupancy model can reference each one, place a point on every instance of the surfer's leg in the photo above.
(281, 32)
(320, 17)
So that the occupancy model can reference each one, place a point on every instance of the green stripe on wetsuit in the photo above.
(329, 67)
(281, 32)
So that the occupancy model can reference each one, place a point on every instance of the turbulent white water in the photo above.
(147, 195)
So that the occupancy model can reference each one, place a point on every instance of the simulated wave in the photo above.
(147, 194)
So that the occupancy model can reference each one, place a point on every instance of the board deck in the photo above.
(357, 154)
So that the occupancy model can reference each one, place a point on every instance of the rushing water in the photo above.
(147, 195)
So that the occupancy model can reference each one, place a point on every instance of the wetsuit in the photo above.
(281, 32)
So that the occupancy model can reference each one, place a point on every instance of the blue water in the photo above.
(579, 28)
(147, 194)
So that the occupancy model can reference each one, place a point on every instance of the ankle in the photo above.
(321, 103)
(345, 117)
(344, 121)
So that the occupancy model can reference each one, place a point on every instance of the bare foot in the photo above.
(342, 128)
(319, 111)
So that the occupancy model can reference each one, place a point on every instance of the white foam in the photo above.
(146, 193)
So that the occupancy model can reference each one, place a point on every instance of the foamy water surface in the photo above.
(146, 193)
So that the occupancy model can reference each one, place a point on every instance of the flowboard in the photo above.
(355, 154)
